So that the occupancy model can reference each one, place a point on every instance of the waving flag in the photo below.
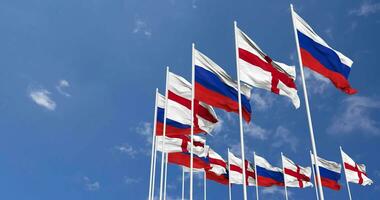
(330, 173)
(218, 170)
(181, 143)
(355, 173)
(317, 55)
(259, 70)
(267, 175)
(295, 175)
(179, 110)
(236, 171)
(216, 88)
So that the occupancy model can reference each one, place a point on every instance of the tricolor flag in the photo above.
(216, 88)
(267, 175)
(218, 168)
(295, 175)
(236, 171)
(259, 70)
(355, 173)
(317, 55)
(179, 110)
(329, 171)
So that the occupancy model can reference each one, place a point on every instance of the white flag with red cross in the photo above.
(295, 175)
(355, 173)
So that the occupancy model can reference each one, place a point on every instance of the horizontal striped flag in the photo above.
(257, 69)
(317, 55)
(215, 87)
(329, 171)
(267, 175)
(218, 171)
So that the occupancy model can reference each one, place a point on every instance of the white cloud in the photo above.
(316, 83)
(91, 185)
(41, 97)
(283, 137)
(62, 84)
(127, 149)
(129, 180)
(274, 191)
(262, 101)
(218, 127)
(145, 129)
(366, 8)
(141, 27)
(256, 131)
(356, 116)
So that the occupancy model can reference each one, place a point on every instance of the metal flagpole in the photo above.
(164, 134)
(166, 174)
(183, 184)
(314, 148)
(348, 185)
(315, 180)
(192, 120)
(229, 173)
(256, 178)
(283, 171)
(154, 169)
(240, 114)
(204, 186)
(151, 185)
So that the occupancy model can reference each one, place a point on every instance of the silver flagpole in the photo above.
(152, 159)
(204, 186)
(229, 173)
(283, 172)
(192, 120)
(314, 148)
(164, 135)
(166, 174)
(256, 178)
(240, 114)
(315, 180)
(348, 185)
(154, 170)
(183, 184)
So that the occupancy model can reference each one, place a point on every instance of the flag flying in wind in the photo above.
(267, 175)
(216, 88)
(218, 170)
(329, 171)
(236, 171)
(259, 70)
(200, 155)
(179, 110)
(295, 175)
(317, 55)
(181, 143)
(355, 173)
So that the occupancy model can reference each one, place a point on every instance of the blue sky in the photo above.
(78, 78)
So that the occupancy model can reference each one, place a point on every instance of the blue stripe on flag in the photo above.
(277, 176)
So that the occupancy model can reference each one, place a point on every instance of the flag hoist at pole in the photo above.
(154, 154)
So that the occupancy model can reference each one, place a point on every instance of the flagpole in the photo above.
(154, 165)
(192, 120)
(164, 134)
(240, 114)
(229, 173)
(183, 183)
(314, 148)
(256, 178)
(151, 185)
(348, 185)
(283, 171)
(166, 174)
(204, 186)
(315, 180)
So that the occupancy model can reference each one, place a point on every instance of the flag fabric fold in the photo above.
(215, 87)
(236, 171)
(257, 69)
(295, 175)
(329, 171)
(178, 120)
(317, 55)
(267, 175)
(355, 173)
(218, 168)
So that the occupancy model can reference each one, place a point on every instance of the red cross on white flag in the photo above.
(355, 173)
(295, 175)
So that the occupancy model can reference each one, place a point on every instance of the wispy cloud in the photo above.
(130, 180)
(42, 98)
(127, 149)
(141, 27)
(91, 185)
(366, 8)
(316, 83)
(262, 101)
(145, 129)
(283, 137)
(62, 85)
(355, 115)
(271, 191)
(256, 131)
